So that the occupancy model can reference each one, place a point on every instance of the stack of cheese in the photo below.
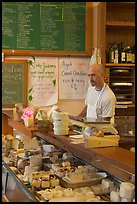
(61, 122)
(44, 179)
(126, 193)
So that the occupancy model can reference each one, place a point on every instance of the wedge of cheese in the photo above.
(93, 141)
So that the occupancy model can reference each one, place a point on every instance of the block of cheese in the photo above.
(127, 190)
(74, 178)
(54, 182)
(36, 160)
(45, 184)
(14, 169)
(29, 122)
(36, 183)
(20, 150)
(16, 143)
(67, 155)
(8, 141)
(9, 137)
(31, 144)
(49, 148)
(93, 141)
(115, 196)
(108, 184)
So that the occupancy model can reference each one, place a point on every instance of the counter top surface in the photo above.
(117, 161)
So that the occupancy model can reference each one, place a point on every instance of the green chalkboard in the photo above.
(41, 28)
(14, 82)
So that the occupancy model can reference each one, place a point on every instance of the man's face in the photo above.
(94, 76)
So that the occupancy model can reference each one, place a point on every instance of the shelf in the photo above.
(119, 65)
(121, 81)
(121, 24)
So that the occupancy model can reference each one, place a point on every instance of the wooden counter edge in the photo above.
(89, 155)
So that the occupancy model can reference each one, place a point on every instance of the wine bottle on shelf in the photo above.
(128, 54)
(123, 53)
(111, 54)
(93, 59)
(99, 60)
(119, 52)
(133, 54)
(116, 53)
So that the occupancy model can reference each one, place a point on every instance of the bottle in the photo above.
(116, 56)
(133, 54)
(99, 61)
(93, 59)
(128, 54)
(123, 54)
(111, 54)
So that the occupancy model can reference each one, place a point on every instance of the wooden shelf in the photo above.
(119, 65)
(122, 73)
(121, 24)
(21, 127)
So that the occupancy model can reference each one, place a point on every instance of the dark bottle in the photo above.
(119, 45)
(116, 53)
(123, 54)
(111, 54)
(128, 54)
(133, 54)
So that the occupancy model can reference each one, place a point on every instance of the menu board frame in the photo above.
(84, 53)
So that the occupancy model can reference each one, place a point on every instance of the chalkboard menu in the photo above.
(14, 82)
(40, 27)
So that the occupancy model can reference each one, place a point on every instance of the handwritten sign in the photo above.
(73, 80)
(14, 82)
(43, 83)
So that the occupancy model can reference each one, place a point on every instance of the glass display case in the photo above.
(13, 189)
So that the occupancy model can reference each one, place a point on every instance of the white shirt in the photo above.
(103, 102)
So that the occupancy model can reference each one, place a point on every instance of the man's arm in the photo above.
(83, 112)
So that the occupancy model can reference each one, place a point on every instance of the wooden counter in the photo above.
(7, 115)
(21, 127)
(116, 161)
